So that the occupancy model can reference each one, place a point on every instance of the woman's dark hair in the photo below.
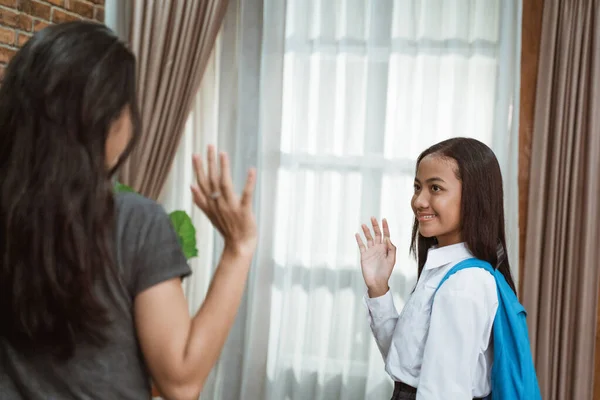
(482, 204)
(60, 94)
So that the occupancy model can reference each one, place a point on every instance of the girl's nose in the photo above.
(421, 200)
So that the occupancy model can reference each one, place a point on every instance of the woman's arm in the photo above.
(180, 351)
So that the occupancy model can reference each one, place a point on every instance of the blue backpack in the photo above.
(513, 371)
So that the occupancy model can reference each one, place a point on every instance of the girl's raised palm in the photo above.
(377, 258)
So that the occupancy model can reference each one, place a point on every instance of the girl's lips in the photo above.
(426, 217)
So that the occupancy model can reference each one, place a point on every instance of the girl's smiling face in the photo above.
(436, 201)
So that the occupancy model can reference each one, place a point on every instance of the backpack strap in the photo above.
(513, 373)
(468, 263)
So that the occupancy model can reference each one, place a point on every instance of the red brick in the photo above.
(25, 23)
(2, 68)
(7, 36)
(22, 39)
(24, 6)
(79, 7)
(38, 25)
(99, 14)
(9, 3)
(59, 16)
(6, 54)
(9, 18)
(40, 10)
(100, 2)
(59, 3)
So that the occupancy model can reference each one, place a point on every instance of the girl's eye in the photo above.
(435, 188)
(416, 187)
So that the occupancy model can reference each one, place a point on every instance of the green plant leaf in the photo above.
(119, 188)
(182, 223)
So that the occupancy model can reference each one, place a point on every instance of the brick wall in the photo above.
(19, 19)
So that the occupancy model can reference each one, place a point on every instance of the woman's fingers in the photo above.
(199, 198)
(219, 183)
(213, 180)
(249, 189)
(214, 192)
(201, 180)
(225, 181)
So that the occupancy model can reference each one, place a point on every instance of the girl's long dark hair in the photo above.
(482, 204)
(60, 94)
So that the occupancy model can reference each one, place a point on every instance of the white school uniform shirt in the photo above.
(443, 349)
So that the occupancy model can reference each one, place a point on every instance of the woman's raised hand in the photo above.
(229, 213)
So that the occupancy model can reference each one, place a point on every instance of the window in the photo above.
(366, 86)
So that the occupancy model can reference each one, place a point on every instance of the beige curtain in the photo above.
(172, 40)
(561, 270)
(530, 58)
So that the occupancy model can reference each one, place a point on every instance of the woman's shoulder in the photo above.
(133, 203)
(139, 216)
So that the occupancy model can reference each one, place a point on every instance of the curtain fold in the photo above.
(560, 284)
(530, 56)
(172, 41)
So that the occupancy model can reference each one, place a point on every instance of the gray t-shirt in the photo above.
(148, 252)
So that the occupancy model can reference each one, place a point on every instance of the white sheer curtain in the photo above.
(333, 101)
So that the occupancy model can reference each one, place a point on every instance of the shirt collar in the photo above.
(440, 256)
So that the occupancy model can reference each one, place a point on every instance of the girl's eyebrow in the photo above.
(430, 180)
